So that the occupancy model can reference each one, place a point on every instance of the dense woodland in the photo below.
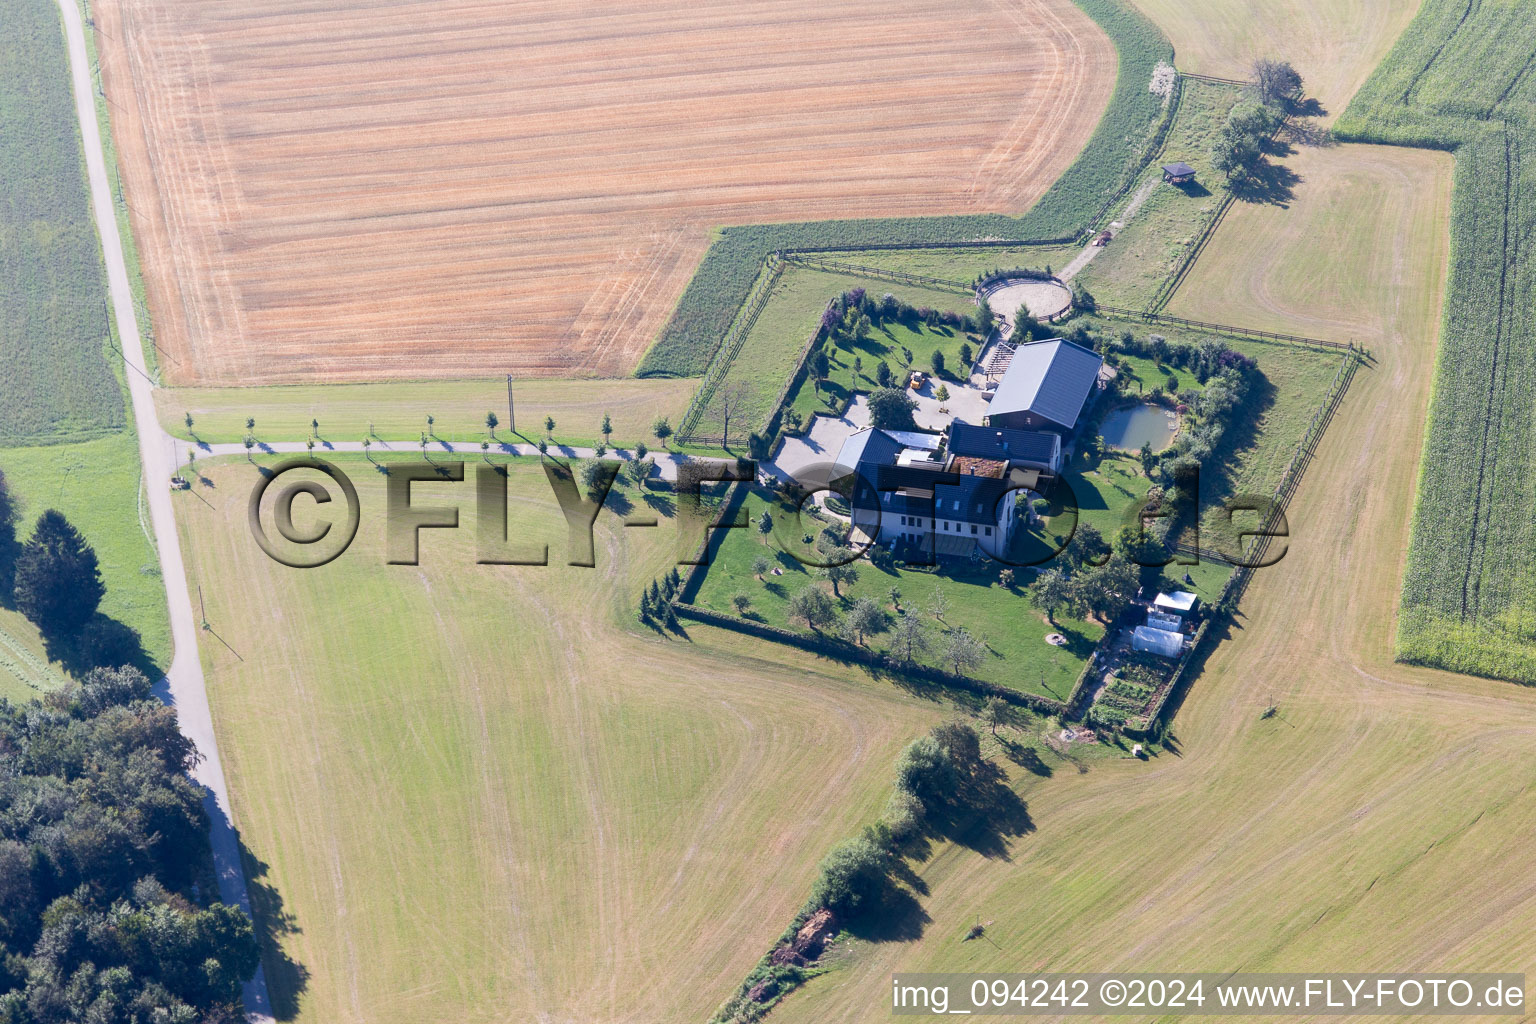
(103, 838)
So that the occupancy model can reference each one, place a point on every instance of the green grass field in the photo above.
(400, 410)
(96, 485)
(770, 353)
(962, 264)
(1333, 43)
(505, 760)
(1158, 238)
(56, 383)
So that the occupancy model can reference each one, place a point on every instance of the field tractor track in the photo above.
(1413, 85)
(1478, 545)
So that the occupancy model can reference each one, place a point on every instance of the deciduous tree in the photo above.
(813, 607)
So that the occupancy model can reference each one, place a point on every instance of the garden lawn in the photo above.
(1103, 496)
(769, 356)
(888, 343)
(1013, 629)
(1156, 240)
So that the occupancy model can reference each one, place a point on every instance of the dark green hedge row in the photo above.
(1113, 155)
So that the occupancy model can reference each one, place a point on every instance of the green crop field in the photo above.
(56, 383)
(503, 759)
(770, 353)
(1112, 156)
(1459, 79)
(1158, 238)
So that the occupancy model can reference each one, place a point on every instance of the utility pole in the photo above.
(511, 410)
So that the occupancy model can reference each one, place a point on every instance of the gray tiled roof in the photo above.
(1049, 378)
(1002, 444)
(969, 499)
(867, 445)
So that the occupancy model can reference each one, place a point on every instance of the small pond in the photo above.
(1135, 425)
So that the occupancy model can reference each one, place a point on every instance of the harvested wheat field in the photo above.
(447, 188)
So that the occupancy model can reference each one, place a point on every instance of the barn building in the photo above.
(1046, 387)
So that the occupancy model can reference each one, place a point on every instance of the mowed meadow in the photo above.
(475, 793)
(446, 188)
(1333, 43)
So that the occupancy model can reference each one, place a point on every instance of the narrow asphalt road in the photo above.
(183, 685)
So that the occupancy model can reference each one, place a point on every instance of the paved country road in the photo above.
(183, 685)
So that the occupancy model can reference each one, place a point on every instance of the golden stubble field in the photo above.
(444, 188)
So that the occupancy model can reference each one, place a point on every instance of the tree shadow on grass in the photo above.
(660, 503)
(103, 642)
(286, 978)
(1027, 758)
(896, 917)
(1269, 184)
